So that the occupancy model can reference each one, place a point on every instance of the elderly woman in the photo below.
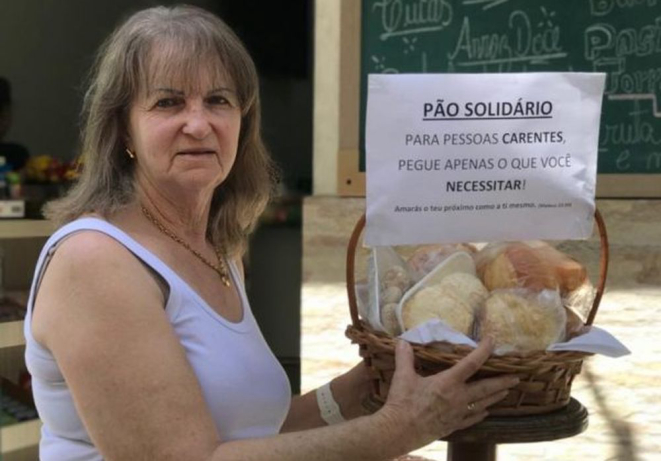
(140, 339)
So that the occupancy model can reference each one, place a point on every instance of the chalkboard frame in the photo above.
(352, 182)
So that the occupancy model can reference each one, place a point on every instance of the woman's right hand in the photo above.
(422, 409)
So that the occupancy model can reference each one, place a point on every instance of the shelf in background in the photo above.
(19, 435)
(25, 228)
(11, 334)
(25, 454)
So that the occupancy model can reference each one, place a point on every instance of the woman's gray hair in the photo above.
(173, 43)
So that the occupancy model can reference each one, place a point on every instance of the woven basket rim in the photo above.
(453, 353)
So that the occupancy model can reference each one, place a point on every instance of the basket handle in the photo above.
(360, 225)
(603, 266)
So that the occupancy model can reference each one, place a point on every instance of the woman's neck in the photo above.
(187, 218)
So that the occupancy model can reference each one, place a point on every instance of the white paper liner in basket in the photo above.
(595, 340)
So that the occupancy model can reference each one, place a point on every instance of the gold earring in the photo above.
(131, 154)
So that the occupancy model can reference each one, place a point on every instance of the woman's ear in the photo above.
(128, 142)
(125, 126)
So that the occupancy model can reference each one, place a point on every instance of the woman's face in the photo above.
(185, 141)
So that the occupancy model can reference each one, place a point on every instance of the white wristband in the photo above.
(328, 407)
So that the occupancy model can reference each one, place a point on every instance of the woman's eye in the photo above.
(167, 102)
(218, 100)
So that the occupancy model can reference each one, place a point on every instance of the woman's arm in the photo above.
(419, 410)
(100, 312)
(349, 391)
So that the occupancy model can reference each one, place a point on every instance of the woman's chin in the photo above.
(195, 180)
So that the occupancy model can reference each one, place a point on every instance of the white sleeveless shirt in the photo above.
(244, 386)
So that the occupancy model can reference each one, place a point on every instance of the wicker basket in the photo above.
(546, 377)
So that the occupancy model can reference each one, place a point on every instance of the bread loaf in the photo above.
(521, 323)
(534, 265)
(570, 273)
(392, 294)
(468, 287)
(389, 319)
(438, 302)
(425, 258)
(454, 300)
(396, 276)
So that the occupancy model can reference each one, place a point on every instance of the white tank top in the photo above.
(245, 388)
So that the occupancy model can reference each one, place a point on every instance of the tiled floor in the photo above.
(622, 395)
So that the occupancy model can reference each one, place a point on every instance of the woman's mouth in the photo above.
(197, 152)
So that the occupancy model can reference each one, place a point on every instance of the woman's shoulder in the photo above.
(89, 242)
(89, 239)
(90, 233)
(88, 253)
(90, 274)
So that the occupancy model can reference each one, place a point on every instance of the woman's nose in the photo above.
(196, 123)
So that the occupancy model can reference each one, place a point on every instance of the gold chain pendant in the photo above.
(220, 269)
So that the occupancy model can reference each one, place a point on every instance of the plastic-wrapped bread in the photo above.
(425, 258)
(389, 319)
(574, 326)
(533, 265)
(391, 294)
(451, 293)
(580, 300)
(523, 322)
(517, 265)
(468, 287)
(388, 279)
(438, 302)
(570, 273)
(396, 276)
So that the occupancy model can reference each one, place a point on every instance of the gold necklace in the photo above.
(220, 268)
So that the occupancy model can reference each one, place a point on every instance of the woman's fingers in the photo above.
(471, 419)
(481, 405)
(404, 360)
(478, 410)
(440, 404)
(487, 387)
(470, 364)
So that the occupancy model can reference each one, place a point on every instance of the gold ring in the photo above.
(470, 406)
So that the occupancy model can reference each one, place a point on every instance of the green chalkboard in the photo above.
(619, 37)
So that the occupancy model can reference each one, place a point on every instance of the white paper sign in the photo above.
(481, 157)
